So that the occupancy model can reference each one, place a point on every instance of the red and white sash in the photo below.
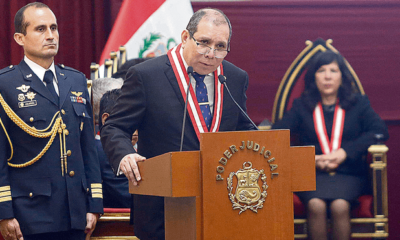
(337, 128)
(194, 111)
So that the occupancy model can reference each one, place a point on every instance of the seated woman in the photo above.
(342, 125)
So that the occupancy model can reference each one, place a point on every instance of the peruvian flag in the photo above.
(148, 28)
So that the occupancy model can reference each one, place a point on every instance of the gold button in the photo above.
(66, 131)
(69, 153)
(83, 114)
(87, 189)
(63, 111)
(30, 194)
(71, 174)
(31, 119)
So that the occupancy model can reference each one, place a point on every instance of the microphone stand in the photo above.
(222, 80)
(189, 71)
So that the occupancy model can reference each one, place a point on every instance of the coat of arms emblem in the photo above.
(248, 194)
(155, 46)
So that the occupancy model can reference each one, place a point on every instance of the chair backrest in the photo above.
(123, 57)
(116, 60)
(94, 71)
(292, 84)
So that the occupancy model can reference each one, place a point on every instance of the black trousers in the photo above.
(68, 235)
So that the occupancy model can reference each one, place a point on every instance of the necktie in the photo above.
(48, 79)
(202, 98)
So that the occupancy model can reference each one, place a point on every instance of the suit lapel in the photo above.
(169, 72)
(63, 85)
(35, 83)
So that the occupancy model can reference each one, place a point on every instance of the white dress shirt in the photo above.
(40, 71)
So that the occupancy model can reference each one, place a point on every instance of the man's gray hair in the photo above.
(101, 86)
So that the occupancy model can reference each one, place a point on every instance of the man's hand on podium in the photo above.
(130, 168)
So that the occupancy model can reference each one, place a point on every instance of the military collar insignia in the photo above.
(23, 88)
(29, 75)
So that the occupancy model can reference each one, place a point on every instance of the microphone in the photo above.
(222, 80)
(189, 71)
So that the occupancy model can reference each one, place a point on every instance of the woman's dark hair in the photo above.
(346, 93)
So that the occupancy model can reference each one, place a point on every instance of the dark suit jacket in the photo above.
(152, 103)
(361, 123)
(42, 199)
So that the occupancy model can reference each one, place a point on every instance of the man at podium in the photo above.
(153, 101)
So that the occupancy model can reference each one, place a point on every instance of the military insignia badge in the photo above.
(248, 194)
(77, 94)
(31, 95)
(21, 97)
(23, 88)
(30, 103)
(77, 98)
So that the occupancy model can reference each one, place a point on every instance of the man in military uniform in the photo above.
(50, 183)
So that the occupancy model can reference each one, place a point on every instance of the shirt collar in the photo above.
(39, 70)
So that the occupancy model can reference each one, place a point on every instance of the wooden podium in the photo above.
(238, 186)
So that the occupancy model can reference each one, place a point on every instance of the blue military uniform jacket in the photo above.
(54, 179)
(115, 188)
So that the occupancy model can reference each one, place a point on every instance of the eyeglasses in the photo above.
(202, 48)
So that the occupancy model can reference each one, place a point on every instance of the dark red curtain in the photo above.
(268, 35)
(83, 29)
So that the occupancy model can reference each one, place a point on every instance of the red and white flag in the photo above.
(148, 28)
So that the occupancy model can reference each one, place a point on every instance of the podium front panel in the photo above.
(247, 184)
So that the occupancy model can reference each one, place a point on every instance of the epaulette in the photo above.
(68, 68)
(7, 69)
